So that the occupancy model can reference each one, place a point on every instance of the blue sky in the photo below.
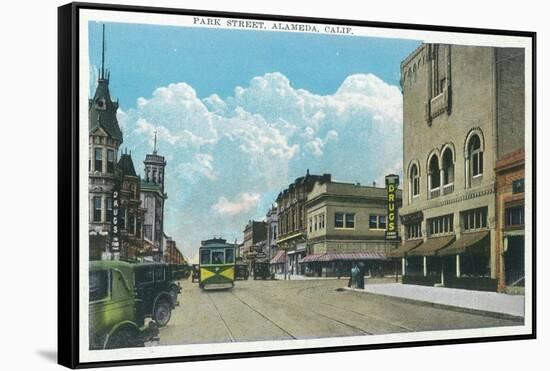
(240, 114)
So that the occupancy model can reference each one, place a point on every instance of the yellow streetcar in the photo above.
(216, 264)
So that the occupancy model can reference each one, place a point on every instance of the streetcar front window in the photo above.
(205, 257)
(229, 256)
(217, 257)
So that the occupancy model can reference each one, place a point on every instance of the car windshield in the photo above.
(217, 257)
(205, 257)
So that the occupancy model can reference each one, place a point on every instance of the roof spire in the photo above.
(155, 145)
(102, 74)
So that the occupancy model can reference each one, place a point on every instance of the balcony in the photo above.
(434, 192)
(448, 188)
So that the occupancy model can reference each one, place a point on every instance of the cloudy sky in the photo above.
(240, 114)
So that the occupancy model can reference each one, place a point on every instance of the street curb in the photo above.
(441, 306)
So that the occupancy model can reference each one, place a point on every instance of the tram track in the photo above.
(231, 336)
(306, 309)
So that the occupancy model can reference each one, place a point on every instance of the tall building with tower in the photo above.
(105, 138)
(152, 199)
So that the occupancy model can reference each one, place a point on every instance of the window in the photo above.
(434, 173)
(205, 257)
(316, 220)
(98, 163)
(99, 285)
(145, 275)
(350, 220)
(514, 216)
(373, 221)
(382, 222)
(474, 219)
(344, 220)
(131, 224)
(476, 156)
(97, 209)
(377, 222)
(229, 256)
(415, 181)
(109, 209)
(448, 167)
(310, 225)
(217, 257)
(110, 161)
(322, 216)
(159, 274)
(339, 220)
(441, 225)
(122, 218)
(414, 230)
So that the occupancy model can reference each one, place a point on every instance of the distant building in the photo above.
(131, 214)
(255, 234)
(463, 110)
(271, 221)
(291, 214)
(172, 255)
(153, 198)
(346, 224)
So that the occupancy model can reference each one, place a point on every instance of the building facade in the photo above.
(346, 223)
(271, 238)
(291, 214)
(131, 214)
(153, 197)
(463, 106)
(172, 255)
(105, 138)
(254, 241)
(510, 222)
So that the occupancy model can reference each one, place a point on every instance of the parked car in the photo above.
(113, 318)
(261, 271)
(241, 271)
(156, 291)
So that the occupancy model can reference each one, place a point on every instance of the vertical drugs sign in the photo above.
(392, 182)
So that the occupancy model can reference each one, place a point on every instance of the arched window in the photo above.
(415, 181)
(475, 155)
(448, 171)
(435, 180)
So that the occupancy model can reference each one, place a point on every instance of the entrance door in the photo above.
(514, 260)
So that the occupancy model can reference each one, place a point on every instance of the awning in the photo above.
(407, 246)
(351, 256)
(279, 258)
(431, 246)
(475, 242)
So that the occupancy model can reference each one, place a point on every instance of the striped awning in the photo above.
(330, 257)
(279, 258)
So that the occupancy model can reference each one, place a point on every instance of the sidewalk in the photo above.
(480, 302)
(298, 277)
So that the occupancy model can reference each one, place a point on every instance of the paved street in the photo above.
(270, 310)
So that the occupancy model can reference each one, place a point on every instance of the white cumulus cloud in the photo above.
(243, 203)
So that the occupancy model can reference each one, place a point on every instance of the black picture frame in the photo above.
(69, 184)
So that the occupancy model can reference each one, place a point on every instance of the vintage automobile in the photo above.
(261, 271)
(113, 318)
(196, 273)
(241, 271)
(156, 291)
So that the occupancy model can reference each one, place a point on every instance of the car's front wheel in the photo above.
(162, 313)
(124, 338)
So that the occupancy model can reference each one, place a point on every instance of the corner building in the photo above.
(463, 110)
